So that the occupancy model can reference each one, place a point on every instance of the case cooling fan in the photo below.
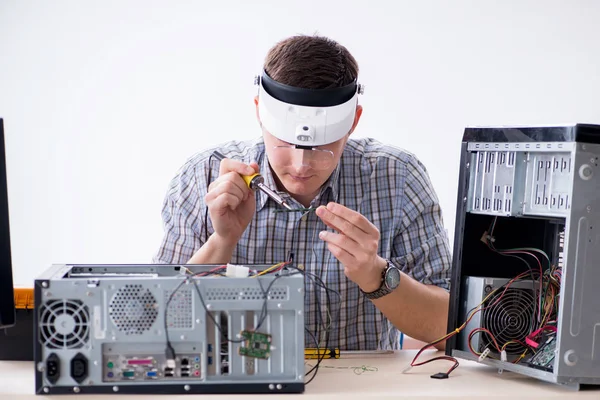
(509, 316)
(64, 324)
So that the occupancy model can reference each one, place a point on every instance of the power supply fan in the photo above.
(133, 309)
(509, 316)
(64, 324)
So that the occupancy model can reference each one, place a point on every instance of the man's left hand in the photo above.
(355, 244)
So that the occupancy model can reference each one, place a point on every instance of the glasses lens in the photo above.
(314, 158)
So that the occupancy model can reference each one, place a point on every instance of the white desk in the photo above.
(469, 381)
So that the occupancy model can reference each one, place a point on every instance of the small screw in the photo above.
(44, 284)
(186, 388)
(279, 386)
(115, 388)
(271, 386)
(76, 389)
(46, 390)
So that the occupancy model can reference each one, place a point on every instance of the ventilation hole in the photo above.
(133, 310)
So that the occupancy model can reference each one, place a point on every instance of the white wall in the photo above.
(102, 102)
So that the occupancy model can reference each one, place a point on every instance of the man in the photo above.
(376, 211)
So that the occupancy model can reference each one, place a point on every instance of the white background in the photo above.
(103, 101)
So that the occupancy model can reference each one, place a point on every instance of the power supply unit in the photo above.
(171, 329)
(525, 260)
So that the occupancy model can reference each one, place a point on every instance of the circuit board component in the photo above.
(256, 344)
(544, 357)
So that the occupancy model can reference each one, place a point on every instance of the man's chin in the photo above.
(296, 188)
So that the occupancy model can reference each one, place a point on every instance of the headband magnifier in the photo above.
(306, 117)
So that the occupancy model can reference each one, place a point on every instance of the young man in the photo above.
(376, 237)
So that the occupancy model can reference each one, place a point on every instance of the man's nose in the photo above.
(301, 158)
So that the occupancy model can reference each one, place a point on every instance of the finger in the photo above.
(354, 217)
(255, 166)
(342, 255)
(224, 201)
(341, 241)
(230, 183)
(228, 165)
(341, 225)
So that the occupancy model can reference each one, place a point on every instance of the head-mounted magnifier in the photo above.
(306, 117)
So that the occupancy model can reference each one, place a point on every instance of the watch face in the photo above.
(392, 278)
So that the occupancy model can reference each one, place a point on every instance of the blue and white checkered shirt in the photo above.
(389, 186)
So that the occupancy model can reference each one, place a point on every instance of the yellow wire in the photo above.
(269, 269)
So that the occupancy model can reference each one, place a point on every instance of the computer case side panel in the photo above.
(578, 339)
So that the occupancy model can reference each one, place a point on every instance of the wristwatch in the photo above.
(390, 279)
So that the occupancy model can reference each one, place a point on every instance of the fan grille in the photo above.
(508, 318)
(64, 324)
(133, 310)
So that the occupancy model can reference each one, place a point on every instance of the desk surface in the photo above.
(356, 377)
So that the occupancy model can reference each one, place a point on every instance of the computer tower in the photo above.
(170, 329)
(526, 259)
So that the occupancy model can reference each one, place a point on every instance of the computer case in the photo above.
(526, 257)
(109, 329)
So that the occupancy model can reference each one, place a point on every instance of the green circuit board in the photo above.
(255, 345)
(544, 357)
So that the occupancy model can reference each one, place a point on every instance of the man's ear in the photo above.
(256, 104)
(359, 111)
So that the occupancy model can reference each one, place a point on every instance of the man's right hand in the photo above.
(231, 203)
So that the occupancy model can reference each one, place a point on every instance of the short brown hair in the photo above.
(311, 62)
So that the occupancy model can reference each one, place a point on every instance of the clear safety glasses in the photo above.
(313, 157)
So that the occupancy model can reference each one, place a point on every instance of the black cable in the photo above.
(170, 351)
(316, 281)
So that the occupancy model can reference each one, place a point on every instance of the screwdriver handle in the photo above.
(251, 180)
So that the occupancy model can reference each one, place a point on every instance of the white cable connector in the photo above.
(170, 363)
(484, 354)
(405, 370)
(237, 271)
(503, 356)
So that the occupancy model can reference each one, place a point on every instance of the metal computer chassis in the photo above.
(101, 329)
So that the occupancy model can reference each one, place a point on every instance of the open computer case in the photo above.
(526, 266)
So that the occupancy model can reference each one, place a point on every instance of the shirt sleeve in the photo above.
(422, 240)
(183, 218)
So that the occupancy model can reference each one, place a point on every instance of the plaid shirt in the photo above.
(389, 186)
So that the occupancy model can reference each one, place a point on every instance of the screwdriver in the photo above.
(256, 181)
